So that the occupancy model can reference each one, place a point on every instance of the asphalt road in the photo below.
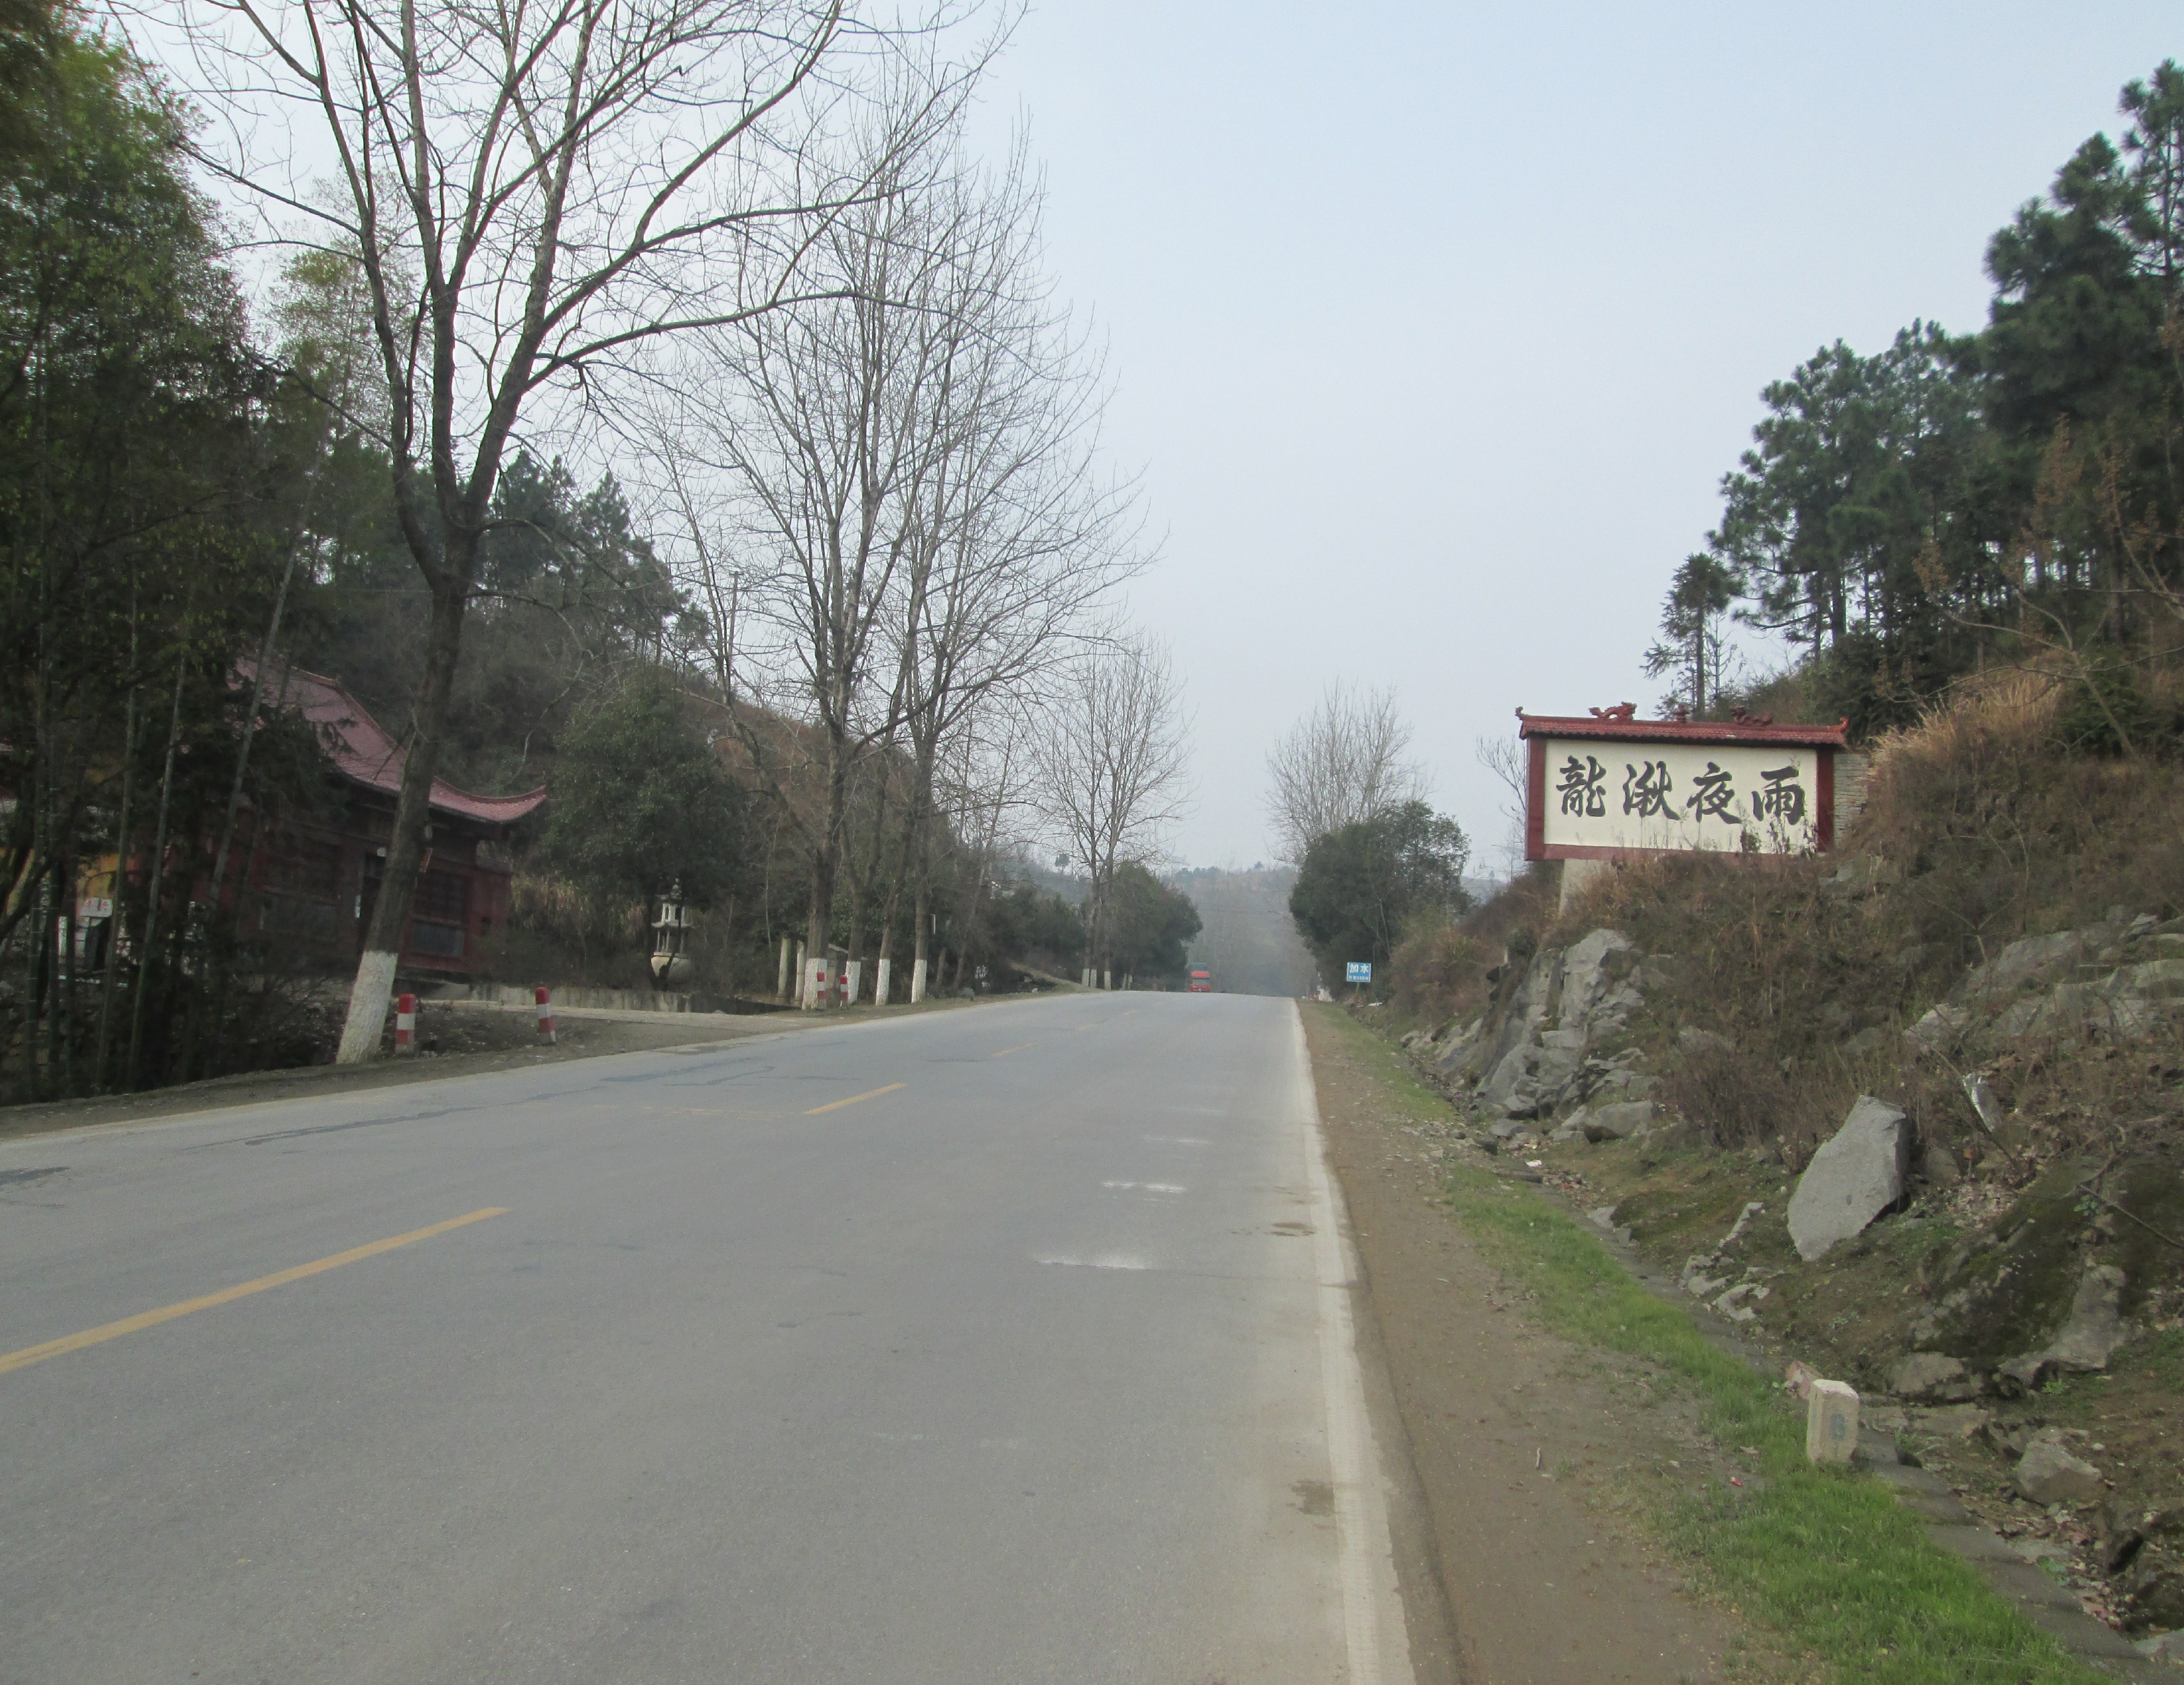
(1001, 1345)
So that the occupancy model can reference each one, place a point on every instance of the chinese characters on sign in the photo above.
(1359, 971)
(1657, 796)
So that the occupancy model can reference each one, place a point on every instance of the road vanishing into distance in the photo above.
(1009, 1343)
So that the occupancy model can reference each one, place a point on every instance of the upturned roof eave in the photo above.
(1726, 732)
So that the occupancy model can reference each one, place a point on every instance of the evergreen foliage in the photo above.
(1362, 886)
(641, 802)
(2013, 495)
(1150, 925)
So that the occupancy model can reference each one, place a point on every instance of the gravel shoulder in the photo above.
(1529, 1450)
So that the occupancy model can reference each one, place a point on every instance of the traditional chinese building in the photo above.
(1611, 786)
(312, 884)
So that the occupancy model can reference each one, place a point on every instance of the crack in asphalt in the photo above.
(336, 1128)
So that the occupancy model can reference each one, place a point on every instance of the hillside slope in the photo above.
(1990, 977)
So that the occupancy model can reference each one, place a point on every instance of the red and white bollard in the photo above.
(544, 996)
(405, 1024)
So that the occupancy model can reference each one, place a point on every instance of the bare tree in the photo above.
(1343, 762)
(910, 473)
(535, 196)
(1014, 534)
(832, 413)
(1505, 757)
(1111, 758)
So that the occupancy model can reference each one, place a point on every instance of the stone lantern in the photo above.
(671, 964)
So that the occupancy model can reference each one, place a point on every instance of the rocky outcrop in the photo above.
(2089, 1338)
(2116, 981)
(1540, 1050)
(1852, 1180)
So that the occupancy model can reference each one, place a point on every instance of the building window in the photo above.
(439, 915)
(303, 866)
(443, 897)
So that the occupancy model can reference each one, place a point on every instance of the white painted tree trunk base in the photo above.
(918, 982)
(369, 998)
(882, 979)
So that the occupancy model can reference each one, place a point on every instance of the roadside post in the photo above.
(405, 1024)
(544, 997)
(1830, 1422)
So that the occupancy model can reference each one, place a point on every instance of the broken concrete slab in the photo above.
(1751, 1210)
(1858, 1175)
(1737, 1304)
(1697, 1282)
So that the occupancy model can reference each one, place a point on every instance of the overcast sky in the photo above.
(1433, 328)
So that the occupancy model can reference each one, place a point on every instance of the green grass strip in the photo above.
(1827, 1557)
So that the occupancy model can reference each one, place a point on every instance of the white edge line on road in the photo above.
(1377, 1641)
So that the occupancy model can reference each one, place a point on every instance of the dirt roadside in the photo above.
(1526, 1448)
(454, 1040)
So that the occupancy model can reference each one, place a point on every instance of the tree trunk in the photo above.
(369, 999)
(158, 880)
(819, 921)
(115, 889)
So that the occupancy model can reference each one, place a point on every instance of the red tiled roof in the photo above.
(365, 754)
(1616, 727)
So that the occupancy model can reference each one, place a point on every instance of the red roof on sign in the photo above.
(1621, 725)
(364, 753)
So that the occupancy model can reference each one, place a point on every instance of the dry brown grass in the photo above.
(1439, 973)
(1982, 829)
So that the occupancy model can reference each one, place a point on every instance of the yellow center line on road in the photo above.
(869, 1094)
(1005, 1051)
(153, 1318)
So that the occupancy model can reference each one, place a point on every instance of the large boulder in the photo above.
(1618, 1120)
(2047, 1474)
(1852, 1180)
(1932, 1377)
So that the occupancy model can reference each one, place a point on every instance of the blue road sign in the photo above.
(1361, 971)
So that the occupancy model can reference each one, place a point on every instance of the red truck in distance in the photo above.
(1202, 983)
